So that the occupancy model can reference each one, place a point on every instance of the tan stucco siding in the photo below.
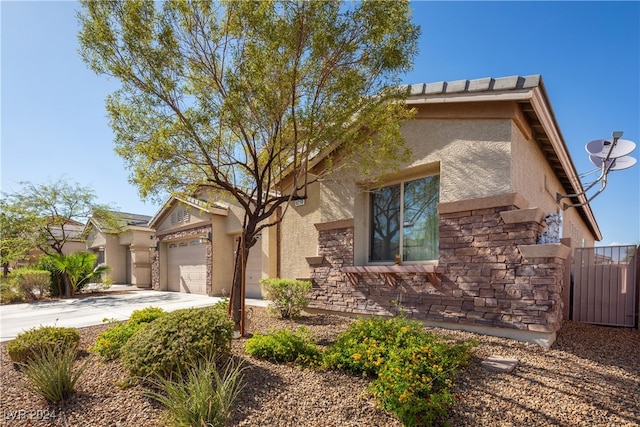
(533, 178)
(299, 236)
(221, 256)
(195, 216)
(474, 155)
(115, 256)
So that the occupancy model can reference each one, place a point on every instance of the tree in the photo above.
(45, 217)
(15, 236)
(248, 98)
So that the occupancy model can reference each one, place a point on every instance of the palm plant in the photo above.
(77, 268)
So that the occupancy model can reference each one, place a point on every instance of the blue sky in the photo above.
(53, 120)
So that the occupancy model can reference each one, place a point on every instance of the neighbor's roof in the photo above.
(124, 219)
(532, 97)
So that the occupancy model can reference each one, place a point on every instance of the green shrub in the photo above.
(146, 315)
(412, 369)
(285, 346)
(288, 297)
(109, 343)
(201, 397)
(36, 341)
(414, 382)
(9, 293)
(56, 287)
(176, 340)
(34, 284)
(365, 345)
(51, 373)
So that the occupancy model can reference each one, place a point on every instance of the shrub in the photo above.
(176, 340)
(36, 341)
(414, 382)
(288, 297)
(202, 397)
(412, 369)
(109, 343)
(285, 346)
(8, 293)
(364, 346)
(51, 374)
(34, 284)
(56, 287)
(146, 315)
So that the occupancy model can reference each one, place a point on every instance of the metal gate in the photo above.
(605, 285)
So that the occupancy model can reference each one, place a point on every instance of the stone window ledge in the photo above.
(553, 250)
(390, 272)
(315, 260)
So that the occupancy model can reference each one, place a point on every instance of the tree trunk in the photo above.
(68, 292)
(236, 303)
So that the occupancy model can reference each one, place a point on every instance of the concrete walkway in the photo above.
(91, 310)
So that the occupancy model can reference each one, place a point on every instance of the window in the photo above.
(414, 205)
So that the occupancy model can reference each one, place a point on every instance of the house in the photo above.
(452, 239)
(125, 249)
(195, 242)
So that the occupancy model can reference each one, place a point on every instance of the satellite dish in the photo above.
(602, 147)
(617, 164)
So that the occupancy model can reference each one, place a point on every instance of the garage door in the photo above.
(254, 272)
(187, 267)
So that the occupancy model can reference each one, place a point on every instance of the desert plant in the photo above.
(412, 369)
(365, 345)
(109, 343)
(9, 293)
(414, 382)
(284, 346)
(51, 372)
(288, 297)
(176, 340)
(34, 284)
(146, 315)
(201, 397)
(36, 341)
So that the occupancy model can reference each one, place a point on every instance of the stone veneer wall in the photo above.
(155, 258)
(486, 281)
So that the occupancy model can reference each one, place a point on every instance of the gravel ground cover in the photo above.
(590, 377)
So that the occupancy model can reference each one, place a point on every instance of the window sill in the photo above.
(389, 272)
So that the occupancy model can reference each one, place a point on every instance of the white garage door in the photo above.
(187, 267)
(254, 272)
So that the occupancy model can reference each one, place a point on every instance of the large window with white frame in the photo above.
(404, 221)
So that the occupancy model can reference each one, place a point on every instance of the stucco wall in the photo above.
(533, 178)
(222, 256)
(299, 236)
(195, 216)
(115, 256)
(444, 145)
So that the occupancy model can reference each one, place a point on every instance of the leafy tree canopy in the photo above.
(235, 96)
(45, 216)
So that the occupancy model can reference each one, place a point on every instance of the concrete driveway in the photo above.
(88, 311)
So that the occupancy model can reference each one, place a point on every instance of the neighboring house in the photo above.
(125, 249)
(73, 231)
(195, 247)
(452, 238)
(69, 234)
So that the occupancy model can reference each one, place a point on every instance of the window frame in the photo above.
(401, 183)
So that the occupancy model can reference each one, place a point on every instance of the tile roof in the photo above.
(478, 85)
